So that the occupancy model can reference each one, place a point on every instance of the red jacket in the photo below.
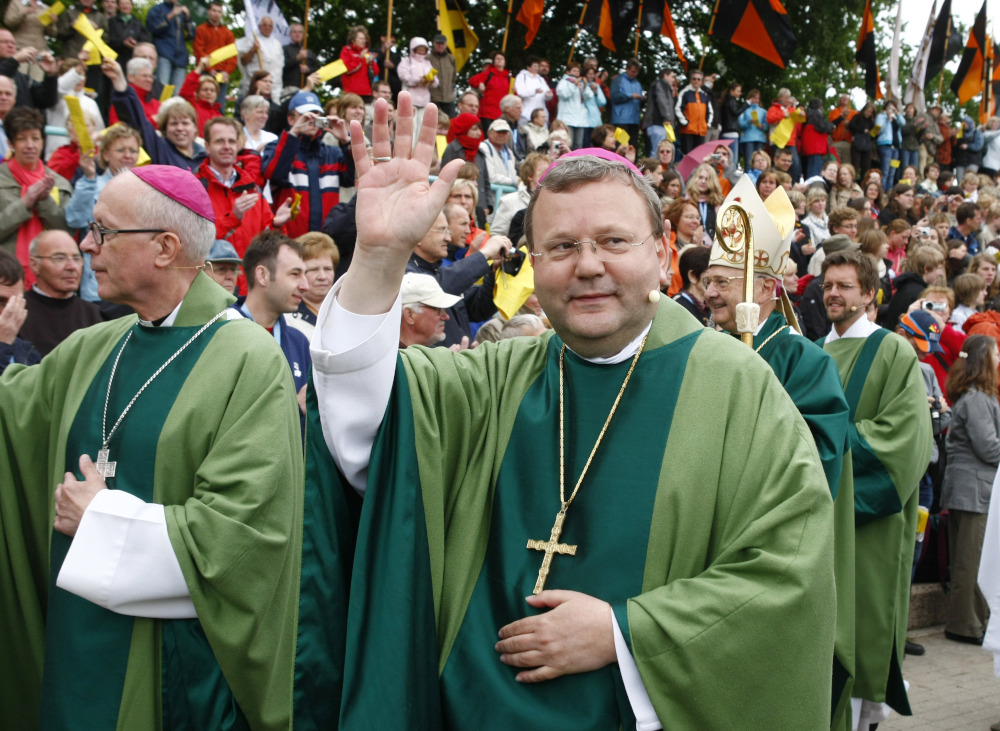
(813, 142)
(150, 105)
(208, 38)
(497, 87)
(205, 112)
(355, 80)
(227, 226)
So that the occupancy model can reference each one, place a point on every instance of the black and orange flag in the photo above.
(526, 12)
(968, 79)
(656, 21)
(865, 54)
(611, 20)
(945, 44)
(760, 26)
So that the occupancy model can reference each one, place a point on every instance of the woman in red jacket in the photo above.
(493, 83)
(201, 92)
(359, 61)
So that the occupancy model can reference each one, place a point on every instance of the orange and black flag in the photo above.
(526, 12)
(989, 105)
(968, 79)
(611, 20)
(760, 26)
(945, 45)
(462, 41)
(656, 21)
(865, 54)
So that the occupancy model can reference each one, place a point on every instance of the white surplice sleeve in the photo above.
(121, 559)
(354, 364)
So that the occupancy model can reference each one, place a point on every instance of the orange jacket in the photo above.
(208, 38)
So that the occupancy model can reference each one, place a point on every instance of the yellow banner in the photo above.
(84, 28)
(95, 55)
(781, 133)
(222, 54)
(79, 124)
(50, 15)
(167, 93)
(621, 136)
(332, 70)
(510, 293)
(144, 158)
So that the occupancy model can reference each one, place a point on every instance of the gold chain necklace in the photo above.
(775, 333)
(553, 546)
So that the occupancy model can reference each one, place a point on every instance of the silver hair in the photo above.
(156, 210)
(414, 307)
(521, 325)
(252, 102)
(508, 101)
(569, 174)
(135, 65)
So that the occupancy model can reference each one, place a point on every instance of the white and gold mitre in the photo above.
(772, 224)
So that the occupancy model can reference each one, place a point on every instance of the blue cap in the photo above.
(924, 328)
(305, 101)
(223, 251)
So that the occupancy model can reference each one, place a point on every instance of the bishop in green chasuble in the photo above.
(807, 373)
(705, 521)
(213, 439)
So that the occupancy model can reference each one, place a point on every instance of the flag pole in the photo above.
(579, 25)
(305, 41)
(388, 29)
(506, 27)
(711, 27)
(947, 37)
(638, 30)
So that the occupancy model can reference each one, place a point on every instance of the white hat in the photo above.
(772, 223)
(499, 125)
(423, 289)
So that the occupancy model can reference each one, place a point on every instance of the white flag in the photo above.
(258, 9)
(915, 84)
(893, 80)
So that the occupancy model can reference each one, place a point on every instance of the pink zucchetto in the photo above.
(178, 185)
(592, 152)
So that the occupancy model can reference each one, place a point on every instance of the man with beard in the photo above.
(890, 441)
(808, 375)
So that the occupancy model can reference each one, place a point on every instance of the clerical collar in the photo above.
(36, 290)
(622, 355)
(167, 321)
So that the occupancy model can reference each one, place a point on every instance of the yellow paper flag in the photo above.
(79, 124)
(442, 144)
(144, 158)
(50, 15)
(84, 28)
(167, 93)
(222, 54)
(332, 70)
(781, 133)
(621, 136)
(510, 293)
(95, 54)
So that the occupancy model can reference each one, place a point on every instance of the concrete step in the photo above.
(927, 605)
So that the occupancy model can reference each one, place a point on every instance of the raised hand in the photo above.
(396, 206)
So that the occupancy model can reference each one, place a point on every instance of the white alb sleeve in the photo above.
(121, 559)
(354, 364)
(638, 698)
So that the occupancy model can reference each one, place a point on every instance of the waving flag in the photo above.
(461, 40)
(865, 54)
(760, 26)
(663, 23)
(968, 79)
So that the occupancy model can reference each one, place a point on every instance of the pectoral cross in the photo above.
(551, 546)
(106, 468)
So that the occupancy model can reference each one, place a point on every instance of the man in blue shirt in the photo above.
(626, 99)
(170, 25)
(968, 219)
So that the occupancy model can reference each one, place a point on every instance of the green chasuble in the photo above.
(215, 440)
(810, 377)
(890, 440)
(705, 521)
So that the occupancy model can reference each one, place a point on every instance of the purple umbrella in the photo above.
(697, 156)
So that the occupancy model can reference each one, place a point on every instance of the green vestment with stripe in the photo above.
(810, 377)
(890, 439)
(214, 438)
(704, 520)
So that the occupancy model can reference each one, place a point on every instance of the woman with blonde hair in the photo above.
(973, 455)
(704, 190)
